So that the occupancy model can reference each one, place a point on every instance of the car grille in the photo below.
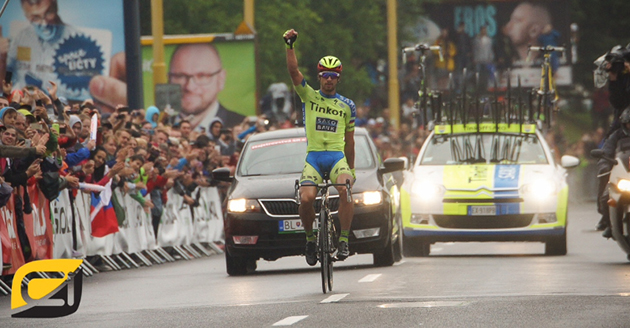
(483, 222)
(290, 207)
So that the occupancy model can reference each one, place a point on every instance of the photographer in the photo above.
(618, 67)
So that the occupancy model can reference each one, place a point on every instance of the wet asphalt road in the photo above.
(459, 285)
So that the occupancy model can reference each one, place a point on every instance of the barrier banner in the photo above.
(8, 232)
(208, 219)
(93, 245)
(62, 225)
(39, 226)
(176, 224)
(132, 230)
(80, 210)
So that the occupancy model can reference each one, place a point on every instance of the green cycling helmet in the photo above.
(329, 63)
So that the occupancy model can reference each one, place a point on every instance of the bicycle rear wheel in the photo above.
(324, 246)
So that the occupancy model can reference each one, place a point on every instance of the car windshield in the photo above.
(285, 156)
(482, 148)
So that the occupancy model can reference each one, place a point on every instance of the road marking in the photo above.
(430, 304)
(437, 249)
(399, 262)
(370, 277)
(334, 298)
(290, 320)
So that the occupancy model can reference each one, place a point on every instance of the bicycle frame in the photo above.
(326, 236)
(546, 93)
(424, 95)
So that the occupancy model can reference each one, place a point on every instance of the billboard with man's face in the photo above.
(513, 25)
(216, 73)
(77, 44)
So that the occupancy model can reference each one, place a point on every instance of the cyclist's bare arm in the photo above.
(292, 63)
(349, 148)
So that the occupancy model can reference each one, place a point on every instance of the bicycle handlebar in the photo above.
(544, 50)
(422, 47)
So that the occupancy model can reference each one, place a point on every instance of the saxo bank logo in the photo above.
(38, 288)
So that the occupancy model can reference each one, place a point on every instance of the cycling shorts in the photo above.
(319, 162)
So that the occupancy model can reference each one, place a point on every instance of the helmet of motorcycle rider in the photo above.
(624, 119)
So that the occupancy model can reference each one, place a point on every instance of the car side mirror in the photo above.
(569, 161)
(222, 174)
(406, 162)
(391, 165)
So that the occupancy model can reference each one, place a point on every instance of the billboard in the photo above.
(217, 75)
(512, 25)
(69, 42)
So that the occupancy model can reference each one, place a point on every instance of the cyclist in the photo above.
(329, 123)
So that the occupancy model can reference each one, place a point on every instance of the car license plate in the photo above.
(482, 210)
(289, 226)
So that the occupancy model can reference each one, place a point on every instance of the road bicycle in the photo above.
(327, 236)
(546, 94)
(425, 95)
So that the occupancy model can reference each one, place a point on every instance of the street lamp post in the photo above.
(392, 54)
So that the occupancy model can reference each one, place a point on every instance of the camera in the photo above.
(617, 56)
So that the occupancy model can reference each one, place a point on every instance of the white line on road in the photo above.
(370, 277)
(334, 298)
(290, 320)
(437, 249)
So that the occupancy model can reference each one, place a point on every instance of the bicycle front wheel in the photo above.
(324, 247)
(332, 239)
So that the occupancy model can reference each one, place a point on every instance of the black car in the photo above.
(262, 220)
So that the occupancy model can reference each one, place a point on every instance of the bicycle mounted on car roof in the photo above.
(547, 93)
(425, 95)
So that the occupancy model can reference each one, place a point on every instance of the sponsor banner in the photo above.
(512, 25)
(212, 62)
(70, 53)
(39, 226)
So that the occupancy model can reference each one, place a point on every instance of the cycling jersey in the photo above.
(326, 118)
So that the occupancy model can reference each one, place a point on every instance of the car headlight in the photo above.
(623, 185)
(427, 191)
(242, 205)
(540, 189)
(368, 198)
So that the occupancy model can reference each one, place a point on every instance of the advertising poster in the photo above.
(512, 26)
(217, 75)
(70, 42)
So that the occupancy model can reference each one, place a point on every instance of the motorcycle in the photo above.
(619, 193)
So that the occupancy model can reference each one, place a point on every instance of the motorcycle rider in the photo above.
(604, 167)
(618, 69)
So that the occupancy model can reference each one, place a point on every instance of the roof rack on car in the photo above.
(469, 112)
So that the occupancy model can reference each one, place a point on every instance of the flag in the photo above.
(103, 216)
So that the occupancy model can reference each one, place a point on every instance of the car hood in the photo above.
(283, 186)
(477, 177)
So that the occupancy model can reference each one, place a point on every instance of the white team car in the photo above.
(495, 182)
